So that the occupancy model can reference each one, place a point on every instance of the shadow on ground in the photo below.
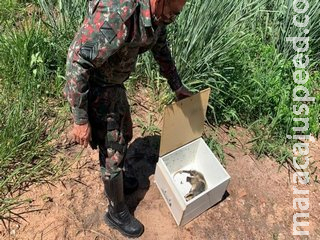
(142, 157)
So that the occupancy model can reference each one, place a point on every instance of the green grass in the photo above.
(242, 56)
(262, 97)
(199, 49)
(29, 81)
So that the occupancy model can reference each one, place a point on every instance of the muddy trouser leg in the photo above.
(112, 130)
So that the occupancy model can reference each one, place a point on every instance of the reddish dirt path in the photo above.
(259, 205)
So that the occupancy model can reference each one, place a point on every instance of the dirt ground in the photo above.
(258, 202)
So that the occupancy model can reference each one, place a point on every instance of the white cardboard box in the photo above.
(182, 148)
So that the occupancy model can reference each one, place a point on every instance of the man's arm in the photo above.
(95, 42)
(162, 55)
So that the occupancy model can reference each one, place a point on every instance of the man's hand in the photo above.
(81, 134)
(182, 93)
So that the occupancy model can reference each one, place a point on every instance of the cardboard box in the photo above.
(182, 148)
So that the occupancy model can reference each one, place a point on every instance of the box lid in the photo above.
(183, 121)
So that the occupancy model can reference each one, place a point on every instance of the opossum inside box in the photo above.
(188, 175)
(190, 169)
(189, 182)
(190, 179)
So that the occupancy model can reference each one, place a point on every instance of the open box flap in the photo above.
(183, 121)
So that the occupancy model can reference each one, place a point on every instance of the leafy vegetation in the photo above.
(243, 57)
(30, 81)
(237, 48)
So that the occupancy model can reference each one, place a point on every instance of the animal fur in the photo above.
(197, 181)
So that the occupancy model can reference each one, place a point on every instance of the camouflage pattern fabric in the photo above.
(109, 115)
(105, 50)
(101, 57)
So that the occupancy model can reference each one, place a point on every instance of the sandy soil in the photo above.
(258, 203)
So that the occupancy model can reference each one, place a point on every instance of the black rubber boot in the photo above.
(118, 215)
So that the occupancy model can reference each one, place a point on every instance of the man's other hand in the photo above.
(182, 93)
(81, 134)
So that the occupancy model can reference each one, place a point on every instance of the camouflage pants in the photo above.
(111, 124)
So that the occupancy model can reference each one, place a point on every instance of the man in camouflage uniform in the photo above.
(101, 57)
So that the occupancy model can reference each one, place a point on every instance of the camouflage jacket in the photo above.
(105, 50)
